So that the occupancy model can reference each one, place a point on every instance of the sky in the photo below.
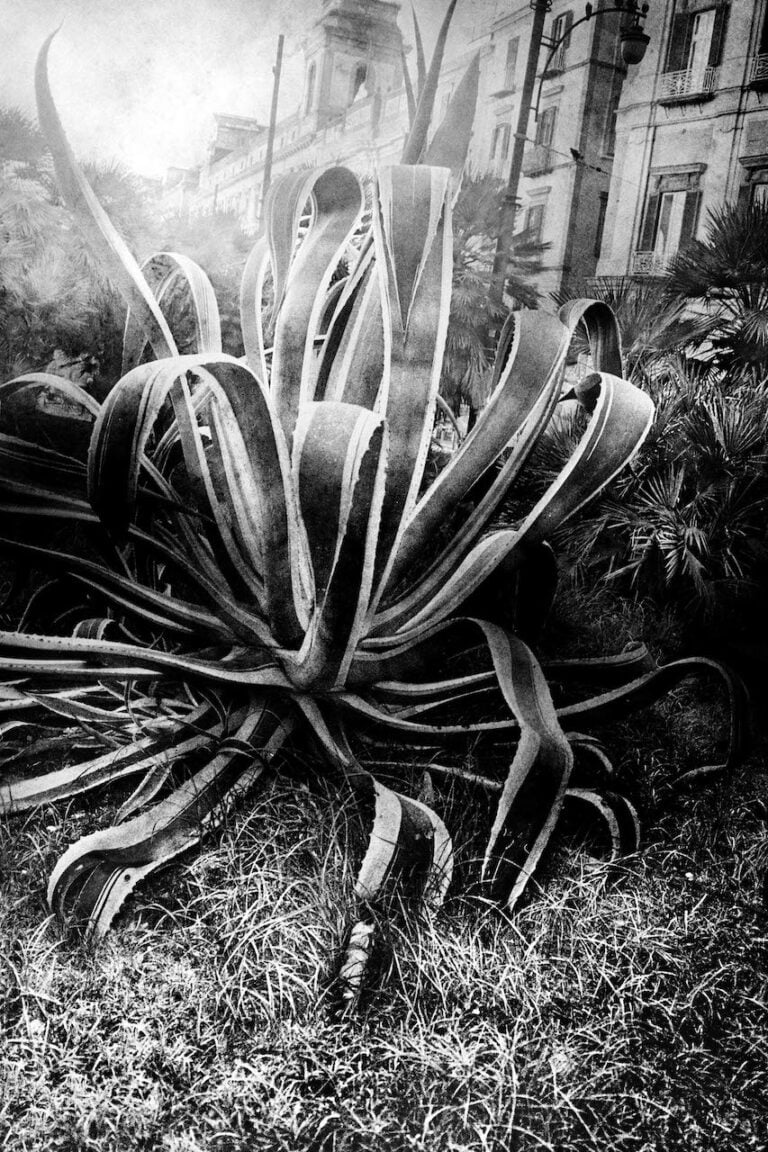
(139, 80)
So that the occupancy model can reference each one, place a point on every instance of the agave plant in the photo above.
(271, 572)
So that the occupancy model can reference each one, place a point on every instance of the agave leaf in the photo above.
(166, 611)
(66, 388)
(106, 242)
(142, 756)
(355, 962)
(257, 266)
(255, 475)
(164, 272)
(120, 436)
(616, 670)
(110, 659)
(338, 203)
(285, 205)
(28, 468)
(408, 841)
(417, 137)
(147, 790)
(450, 144)
(602, 329)
(598, 770)
(415, 259)
(259, 494)
(340, 457)
(351, 366)
(93, 878)
(620, 422)
(530, 802)
(96, 627)
(409, 96)
(656, 684)
(615, 814)
(421, 64)
(520, 406)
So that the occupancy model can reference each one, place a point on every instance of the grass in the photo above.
(623, 1008)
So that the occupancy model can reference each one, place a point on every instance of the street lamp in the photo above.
(634, 42)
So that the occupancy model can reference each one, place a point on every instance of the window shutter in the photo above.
(511, 62)
(690, 216)
(744, 196)
(546, 127)
(648, 230)
(567, 19)
(679, 42)
(601, 213)
(718, 36)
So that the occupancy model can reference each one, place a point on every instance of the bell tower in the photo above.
(353, 50)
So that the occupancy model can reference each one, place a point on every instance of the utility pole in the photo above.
(272, 122)
(634, 42)
(509, 203)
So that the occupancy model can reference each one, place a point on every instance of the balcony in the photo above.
(648, 264)
(757, 76)
(538, 159)
(556, 64)
(688, 85)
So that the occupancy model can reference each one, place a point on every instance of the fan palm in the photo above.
(727, 273)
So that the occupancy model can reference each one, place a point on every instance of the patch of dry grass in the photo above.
(621, 1010)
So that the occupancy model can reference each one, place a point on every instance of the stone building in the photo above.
(620, 164)
(568, 160)
(691, 131)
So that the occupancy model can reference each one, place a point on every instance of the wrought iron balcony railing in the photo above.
(689, 83)
(557, 63)
(538, 158)
(648, 264)
(758, 70)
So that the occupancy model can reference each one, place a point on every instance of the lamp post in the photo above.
(634, 42)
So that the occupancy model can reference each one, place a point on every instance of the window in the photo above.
(611, 112)
(560, 27)
(545, 127)
(311, 73)
(671, 214)
(534, 223)
(758, 71)
(755, 189)
(695, 48)
(500, 143)
(358, 79)
(511, 63)
(602, 208)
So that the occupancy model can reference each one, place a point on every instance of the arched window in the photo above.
(310, 88)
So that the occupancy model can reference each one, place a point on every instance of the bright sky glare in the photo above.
(140, 80)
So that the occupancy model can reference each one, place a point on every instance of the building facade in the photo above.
(568, 160)
(620, 164)
(691, 132)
